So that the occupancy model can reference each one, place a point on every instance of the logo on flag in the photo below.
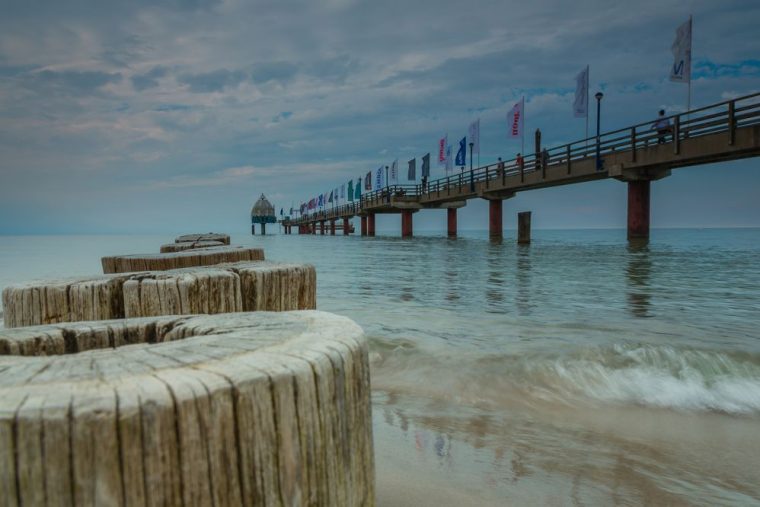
(462, 152)
(411, 174)
(515, 119)
(474, 134)
(580, 105)
(681, 48)
(394, 172)
(442, 144)
(379, 178)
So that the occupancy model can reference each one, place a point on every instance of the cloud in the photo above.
(70, 82)
(148, 79)
(214, 81)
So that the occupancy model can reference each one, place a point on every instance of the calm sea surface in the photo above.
(576, 371)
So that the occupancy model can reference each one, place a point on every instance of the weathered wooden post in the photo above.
(523, 227)
(495, 229)
(253, 409)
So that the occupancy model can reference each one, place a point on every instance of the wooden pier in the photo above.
(635, 155)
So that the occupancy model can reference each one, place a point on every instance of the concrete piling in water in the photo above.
(364, 225)
(332, 227)
(638, 209)
(406, 223)
(523, 227)
(451, 222)
(495, 229)
(371, 224)
(346, 226)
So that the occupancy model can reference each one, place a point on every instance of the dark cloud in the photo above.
(282, 72)
(215, 81)
(70, 82)
(149, 79)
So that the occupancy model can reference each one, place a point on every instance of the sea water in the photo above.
(578, 370)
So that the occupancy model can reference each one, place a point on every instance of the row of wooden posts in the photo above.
(115, 391)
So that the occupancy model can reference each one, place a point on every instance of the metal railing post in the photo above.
(633, 144)
(677, 134)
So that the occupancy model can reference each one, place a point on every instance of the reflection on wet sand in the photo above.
(516, 457)
(638, 273)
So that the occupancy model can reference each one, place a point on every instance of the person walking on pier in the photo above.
(520, 161)
(500, 168)
(663, 127)
(544, 158)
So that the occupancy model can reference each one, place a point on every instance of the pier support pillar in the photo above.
(371, 224)
(523, 228)
(332, 227)
(494, 218)
(346, 226)
(314, 228)
(263, 229)
(364, 225)
(451, 214)
(253, 229)
(322, 227)
(638, 209)
(406, 223)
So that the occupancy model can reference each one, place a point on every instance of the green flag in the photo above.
(358, 190)
(351, 190)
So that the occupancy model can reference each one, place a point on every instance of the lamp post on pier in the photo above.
(598, 97)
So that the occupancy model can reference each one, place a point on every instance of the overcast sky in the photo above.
(174, 115)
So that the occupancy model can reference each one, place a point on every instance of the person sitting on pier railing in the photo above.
(663, 127)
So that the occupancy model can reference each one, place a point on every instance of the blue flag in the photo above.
(462, 153)
(358, 189)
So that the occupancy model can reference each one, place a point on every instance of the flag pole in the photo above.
(588, 82)
(691, 52)
(522, 138)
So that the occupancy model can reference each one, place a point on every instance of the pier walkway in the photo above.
(635, 155)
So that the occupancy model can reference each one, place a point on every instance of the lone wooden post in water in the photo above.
(523, 228)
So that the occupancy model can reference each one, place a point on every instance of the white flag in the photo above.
(449, 161)
(681, 48)
(394, 172)
(343, 191)
(580, 106)
(515, 120)
(474, 134)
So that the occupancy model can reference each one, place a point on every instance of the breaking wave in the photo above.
(632, 374)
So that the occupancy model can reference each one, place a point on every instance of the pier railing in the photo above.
(723, 117)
